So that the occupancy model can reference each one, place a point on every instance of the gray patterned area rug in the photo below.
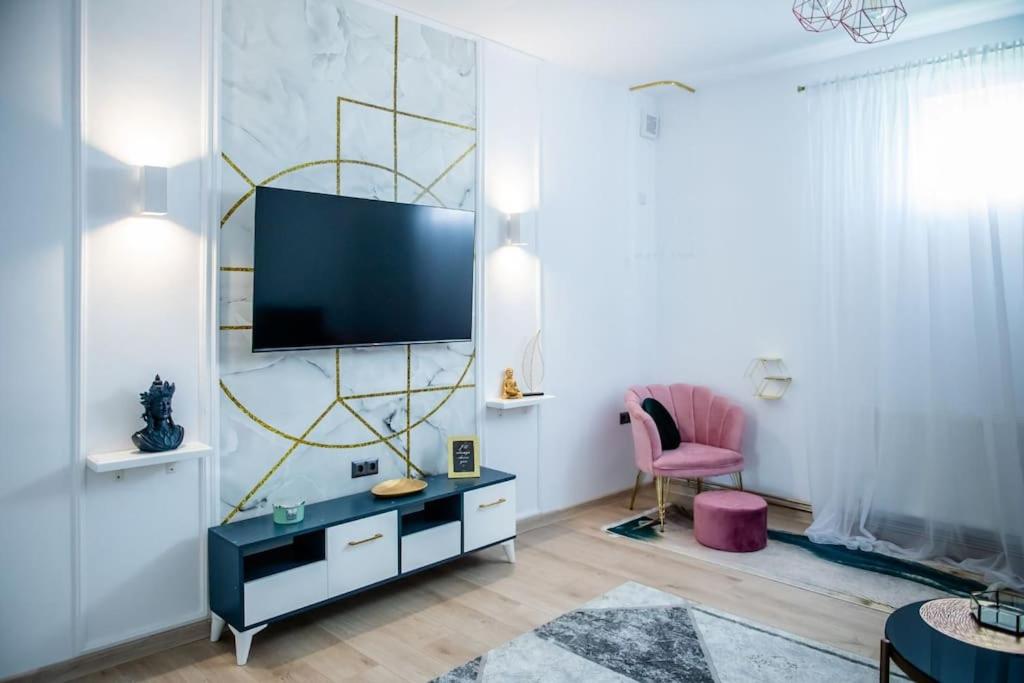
(637, 633)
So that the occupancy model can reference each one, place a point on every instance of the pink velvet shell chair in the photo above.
(711, 428)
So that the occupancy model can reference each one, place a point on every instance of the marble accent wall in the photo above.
(336, 97)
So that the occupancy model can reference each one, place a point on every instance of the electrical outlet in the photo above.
(623, 418)
(364, 468)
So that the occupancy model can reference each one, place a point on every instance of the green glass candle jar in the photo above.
(289, 512)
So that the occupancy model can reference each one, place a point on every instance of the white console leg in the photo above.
(243, 641)
(216, 627)
(510, 550)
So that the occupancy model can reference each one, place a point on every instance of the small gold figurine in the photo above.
(509, 388)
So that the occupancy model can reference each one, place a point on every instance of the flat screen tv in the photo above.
(334, 271)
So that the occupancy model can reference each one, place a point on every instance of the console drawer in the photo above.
(431, 545)
(362, 552)
(489, 515)
(285, 591)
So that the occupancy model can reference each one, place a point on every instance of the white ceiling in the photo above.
(694, 41)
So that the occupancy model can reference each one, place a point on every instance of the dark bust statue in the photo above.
(160, 434)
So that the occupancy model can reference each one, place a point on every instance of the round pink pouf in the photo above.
(730, 520)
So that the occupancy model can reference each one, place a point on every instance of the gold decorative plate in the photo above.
(393, 488)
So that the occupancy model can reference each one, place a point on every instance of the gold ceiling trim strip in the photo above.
(444, 173)
(266, 477)
(237, 269)
(652, 84)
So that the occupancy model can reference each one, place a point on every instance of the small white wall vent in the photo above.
(650, 126)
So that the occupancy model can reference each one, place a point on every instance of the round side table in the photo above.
(927, 655)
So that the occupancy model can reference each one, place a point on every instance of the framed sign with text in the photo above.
(463, 457)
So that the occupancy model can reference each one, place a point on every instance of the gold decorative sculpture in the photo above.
(509, 388)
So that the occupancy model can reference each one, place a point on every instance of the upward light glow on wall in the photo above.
(510, 190)
(968, 148)
(138, 130)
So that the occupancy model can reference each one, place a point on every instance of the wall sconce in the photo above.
(153, 190)
(514, 230)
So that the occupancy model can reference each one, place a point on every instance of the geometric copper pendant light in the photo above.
(821, 15)
(875, 20)
(866, 21)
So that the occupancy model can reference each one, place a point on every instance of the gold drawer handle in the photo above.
(490, 505)
(367, 540)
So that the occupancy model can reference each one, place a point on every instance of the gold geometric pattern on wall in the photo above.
(344, 400)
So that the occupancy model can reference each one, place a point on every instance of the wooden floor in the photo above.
(419, 628)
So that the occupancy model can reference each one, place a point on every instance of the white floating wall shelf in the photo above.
(512, 403)
(126, 460)
(769, 377)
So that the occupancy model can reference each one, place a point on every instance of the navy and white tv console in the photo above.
(261, 572)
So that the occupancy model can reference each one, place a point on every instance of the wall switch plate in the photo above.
(623, 418)
(364, 468)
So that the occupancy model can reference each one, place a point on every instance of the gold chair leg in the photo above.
(636, 486)
(659, 487)
(700, 485)
(739, 479)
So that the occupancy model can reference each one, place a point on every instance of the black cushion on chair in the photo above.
(667, 429)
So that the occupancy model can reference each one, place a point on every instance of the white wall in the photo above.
(594, 311)
(564, 149)
(510, 134)
(36, 306)
(91, 561)
(143, 313)
(732, 168)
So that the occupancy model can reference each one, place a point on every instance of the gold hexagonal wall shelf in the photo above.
(769, 378)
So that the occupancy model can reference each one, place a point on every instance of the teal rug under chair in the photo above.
(872, 579)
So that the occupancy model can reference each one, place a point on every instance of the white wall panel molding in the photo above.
(77, 297)
(144, 300)
(39, 121)
(209, 187)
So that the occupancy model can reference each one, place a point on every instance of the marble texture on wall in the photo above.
(315, 96)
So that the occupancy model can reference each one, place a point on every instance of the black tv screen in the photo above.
(335, 271)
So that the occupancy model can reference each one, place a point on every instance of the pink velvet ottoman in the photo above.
(730, 520)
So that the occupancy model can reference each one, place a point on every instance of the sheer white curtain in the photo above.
(916, 378)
